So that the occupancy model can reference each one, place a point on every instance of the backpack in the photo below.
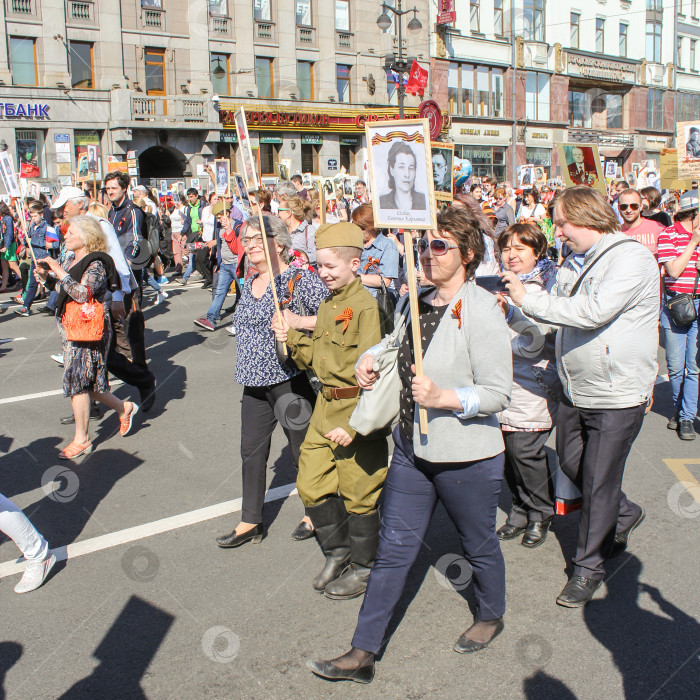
(153, 228)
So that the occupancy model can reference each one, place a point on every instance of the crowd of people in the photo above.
(536, 310)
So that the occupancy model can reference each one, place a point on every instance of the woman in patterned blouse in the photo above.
(272, 391)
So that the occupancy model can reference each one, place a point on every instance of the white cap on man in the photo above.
(65, 194)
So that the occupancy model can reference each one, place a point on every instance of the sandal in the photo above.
(75, 450)
(126, 421)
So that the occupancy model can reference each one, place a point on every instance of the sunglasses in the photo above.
(633, 206)
(437, 246)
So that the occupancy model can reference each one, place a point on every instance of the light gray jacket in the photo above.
(476, 355)
(607, 334)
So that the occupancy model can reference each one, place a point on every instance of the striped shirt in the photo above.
(672, 242)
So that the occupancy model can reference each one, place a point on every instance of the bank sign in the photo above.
(27, 110)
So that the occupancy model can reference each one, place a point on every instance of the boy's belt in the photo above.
(332, 392)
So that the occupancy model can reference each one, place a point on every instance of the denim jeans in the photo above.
(150, 281)
(226, 275)
(681, 343)
(190, 264)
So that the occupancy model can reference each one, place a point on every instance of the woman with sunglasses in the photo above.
(505, 216)
(466, 346)
(296, 213)
(272, 391)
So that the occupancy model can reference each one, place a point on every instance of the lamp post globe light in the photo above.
(400, 64)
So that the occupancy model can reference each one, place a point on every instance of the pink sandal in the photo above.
(75, 450)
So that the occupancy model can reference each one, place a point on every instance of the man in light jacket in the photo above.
(606, 345)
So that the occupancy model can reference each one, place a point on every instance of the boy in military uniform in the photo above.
(340, 473)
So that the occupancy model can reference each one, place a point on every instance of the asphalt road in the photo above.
(147, 606)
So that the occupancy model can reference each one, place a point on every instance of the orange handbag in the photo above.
(84, 323)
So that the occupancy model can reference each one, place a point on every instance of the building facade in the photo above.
(520, 76)
(160, 77)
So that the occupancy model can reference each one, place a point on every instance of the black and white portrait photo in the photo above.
(222, 169)
(692, 144)
(442, 157)
(401, 172)
(242, 191)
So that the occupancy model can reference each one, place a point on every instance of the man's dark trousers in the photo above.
(593, 445)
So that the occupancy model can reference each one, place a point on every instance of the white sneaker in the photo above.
(58, 358)
(162, 296)
(35, 574)
(231, 330)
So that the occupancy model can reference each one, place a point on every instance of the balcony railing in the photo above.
(265, 32)
(344, 41)
(152, 108)
(604, 138)
(306, 36)
(153, 19)
(82, 11)
(22, 7)
(220, 25)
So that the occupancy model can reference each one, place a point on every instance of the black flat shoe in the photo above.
(622, 538)
(302, 532)
(672, 423)
(465, 645)
(578, 591)
(535, 534)
(509, 532)
(254, 535)
(325, 669)
(95, 414)
(686, 431)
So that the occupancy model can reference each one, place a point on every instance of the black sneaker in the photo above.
(686, 430)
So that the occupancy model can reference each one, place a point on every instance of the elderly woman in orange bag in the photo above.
(85, 277)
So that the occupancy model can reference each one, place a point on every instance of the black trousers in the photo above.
(593, 445)
(289, 403)
(126, 359)
(528, 477)
(203, 264)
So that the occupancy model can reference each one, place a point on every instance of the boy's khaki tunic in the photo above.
(357, 471)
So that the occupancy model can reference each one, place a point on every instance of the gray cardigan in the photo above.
(478, 355)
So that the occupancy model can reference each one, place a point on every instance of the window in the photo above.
(575, 25)
(474, 15)
(268, 158)
(152, 3)
(654, 5)
(679, 53)
(219, 70)
(261, 10)
(599, 35)
(305, 80)
(23, 60)
(309, 159)
(655, 109)
(534, 20)
(263, 76)
(30, 153)
(653, 48)
(304, 13)
(623, 40)
(155, 71)
(485, 160)
(691, 63)
(218, 7)
(537, 96)
(342, 15)
(681, 7)
(342, 76)
(81, 68)
(688, 106)
(498, 17)
(603, 111)
(475, 90)
(694, 9)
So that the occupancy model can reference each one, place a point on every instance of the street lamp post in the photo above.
(400, 64)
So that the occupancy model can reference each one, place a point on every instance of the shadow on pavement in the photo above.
(10, 653)
(544, 687)
(125, 653)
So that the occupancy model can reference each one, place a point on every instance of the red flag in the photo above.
(417, 80)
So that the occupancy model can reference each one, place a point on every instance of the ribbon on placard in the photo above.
(416, 137)
(457, 313)
(345, 317)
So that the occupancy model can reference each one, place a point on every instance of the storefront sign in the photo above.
(463, 133)
(312, 139)
(328, 120)
(61, 138)
(228, 137)
(601, 68)
(446, 12)
(271, 139)
(332, 164)
(12, 110)
(349, 140)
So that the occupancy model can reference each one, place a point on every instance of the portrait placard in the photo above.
(611, 169)
(580, 165)
(443, 155)
(222, 172)
(401, 173)
(250, 170)
(240, 189)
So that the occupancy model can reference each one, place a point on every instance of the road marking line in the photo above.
(10, 340)
(681, 472)
(42, 394)
(138, 532)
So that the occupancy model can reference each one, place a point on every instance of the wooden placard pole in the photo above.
(94, 185)
(415, 320)
(322, 205)
(23, 222)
